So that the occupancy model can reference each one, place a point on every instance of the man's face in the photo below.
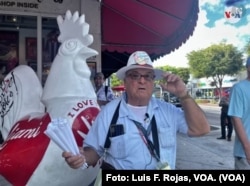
(139, 84)
(99, 81)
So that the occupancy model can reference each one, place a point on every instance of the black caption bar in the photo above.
(163, 177)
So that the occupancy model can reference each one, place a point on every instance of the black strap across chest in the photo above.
(113, 121)
(154, 132)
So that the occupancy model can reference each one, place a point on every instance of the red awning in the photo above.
(118, 88)
(155, 26)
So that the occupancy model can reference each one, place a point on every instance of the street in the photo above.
(213, 114)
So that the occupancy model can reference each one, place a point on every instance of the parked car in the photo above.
(168, 97)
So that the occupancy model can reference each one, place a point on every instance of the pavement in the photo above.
(206, 152)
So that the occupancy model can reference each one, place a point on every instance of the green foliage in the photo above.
(216, 61)
(115, 81)
(184, 73)
(197, 63)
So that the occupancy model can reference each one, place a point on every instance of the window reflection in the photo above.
(18, 38)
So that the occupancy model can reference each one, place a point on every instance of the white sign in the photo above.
(41, 6)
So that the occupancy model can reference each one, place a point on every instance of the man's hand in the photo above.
(174, 85)
(74, 161)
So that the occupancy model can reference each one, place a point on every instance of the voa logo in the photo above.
(233, 14)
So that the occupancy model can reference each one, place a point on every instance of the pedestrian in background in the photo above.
(239, 110)
(136, 130)
(103, 92)
(225, 119)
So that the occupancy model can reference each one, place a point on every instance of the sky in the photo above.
(212, 28)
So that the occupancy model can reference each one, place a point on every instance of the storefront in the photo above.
(204, 88)
(29, 31)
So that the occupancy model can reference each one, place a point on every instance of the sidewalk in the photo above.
(205, 153)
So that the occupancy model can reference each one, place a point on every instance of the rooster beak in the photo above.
(88, 52)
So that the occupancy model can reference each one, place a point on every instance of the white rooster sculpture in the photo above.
(27, 155)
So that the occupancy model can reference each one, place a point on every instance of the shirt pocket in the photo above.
(118, 147)
(166, 137)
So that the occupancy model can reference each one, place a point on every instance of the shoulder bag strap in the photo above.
(113, 121)
(155, 136)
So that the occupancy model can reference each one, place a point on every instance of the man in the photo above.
(239, 110)
(225, 120)
(104, 93)
(143, 135)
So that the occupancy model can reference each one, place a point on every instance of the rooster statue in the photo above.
(27, 155)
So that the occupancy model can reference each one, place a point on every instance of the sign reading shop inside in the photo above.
(41, 6)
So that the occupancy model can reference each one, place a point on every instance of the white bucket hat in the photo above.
(139, 59)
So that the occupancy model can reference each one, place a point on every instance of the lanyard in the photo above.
(153, 148)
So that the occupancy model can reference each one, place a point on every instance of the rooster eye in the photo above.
(69, 47)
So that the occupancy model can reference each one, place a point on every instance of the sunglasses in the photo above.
(138, 76)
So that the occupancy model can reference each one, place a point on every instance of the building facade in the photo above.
(29, 30)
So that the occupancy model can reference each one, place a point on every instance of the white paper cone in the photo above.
(59, 131)
(55, 139)
(61, 134)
